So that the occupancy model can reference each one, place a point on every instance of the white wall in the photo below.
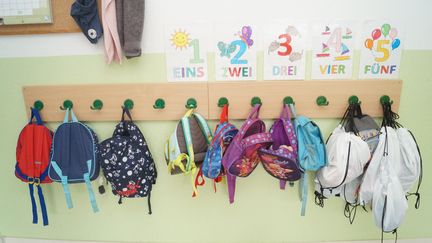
(414, 14)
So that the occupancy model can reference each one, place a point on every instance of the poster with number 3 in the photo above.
(235, 52)
(284, 51)
(186, 52)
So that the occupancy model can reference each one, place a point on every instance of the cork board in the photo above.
(63, 22)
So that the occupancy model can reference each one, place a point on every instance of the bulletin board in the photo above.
(62, 22)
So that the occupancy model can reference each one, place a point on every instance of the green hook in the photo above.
(322, 101)
(38, 105)
(159, 104)
(288, 100)
(385, 99)
(256, 100)
(191, 103)
(353, 100)
(128, 104)
(67, 104)
(222, 101)
(97, 105)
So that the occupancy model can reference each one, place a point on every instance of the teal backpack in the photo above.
(311, 151)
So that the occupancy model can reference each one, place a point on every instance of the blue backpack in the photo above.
(311, 151)
(212, 166)
(74, 157)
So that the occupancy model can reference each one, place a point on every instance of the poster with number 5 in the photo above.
(332, 50)
(235, 51)
(381, 49)
(186, 52)
(285, 50)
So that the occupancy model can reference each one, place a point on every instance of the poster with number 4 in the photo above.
(186, 52)
(332, 50)
(284, 50)
(235, 51)
(381, 49)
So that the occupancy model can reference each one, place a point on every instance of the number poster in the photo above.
(381, 50)
(332, 50)
(186, 52)
(235, 52)
(284, 51)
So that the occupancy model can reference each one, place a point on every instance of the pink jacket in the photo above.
(113, 51)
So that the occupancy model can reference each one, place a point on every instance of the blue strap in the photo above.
(33, 202)
(35, 114)
(66, 117)
(64, 181)
(304, 193)
(90, 189)
(43, 206)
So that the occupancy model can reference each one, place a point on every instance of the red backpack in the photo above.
(32, 160)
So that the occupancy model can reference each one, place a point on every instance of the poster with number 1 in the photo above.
(332, 50)
(186, 52)
(235, 51)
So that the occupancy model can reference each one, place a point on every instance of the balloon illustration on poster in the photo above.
(382, 58)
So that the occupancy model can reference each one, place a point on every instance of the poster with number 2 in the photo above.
(235, 52)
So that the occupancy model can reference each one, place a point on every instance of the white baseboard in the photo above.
(25, 240)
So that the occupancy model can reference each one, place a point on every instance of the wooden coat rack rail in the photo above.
(239, 95)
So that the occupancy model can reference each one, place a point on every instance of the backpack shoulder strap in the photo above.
(190, 165)
(204, 127)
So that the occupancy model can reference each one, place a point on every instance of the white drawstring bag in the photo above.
(347, 154)
(369, 178)
(389, 204)
(410, 166)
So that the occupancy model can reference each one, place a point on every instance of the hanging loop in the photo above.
(97, 105)
(67, 104)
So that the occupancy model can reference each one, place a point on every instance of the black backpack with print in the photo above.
(127, 162)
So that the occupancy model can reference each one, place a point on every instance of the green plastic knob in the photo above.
(222, 101)
(322, 101)
(38, 105)
(159, 104)
(256, 100)
(67, 104)
(288, 100)
(385, 99)
(191, 103)
(97, 105)
(128, 104)
(353, 100)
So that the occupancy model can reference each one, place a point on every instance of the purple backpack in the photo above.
(280, 159)
(241, 157)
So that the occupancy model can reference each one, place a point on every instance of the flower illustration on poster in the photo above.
(332, 50)
(235, 53)
(284, 51)
(381, 50)
(186, 52)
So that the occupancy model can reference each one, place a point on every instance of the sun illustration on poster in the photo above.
(180, 39)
